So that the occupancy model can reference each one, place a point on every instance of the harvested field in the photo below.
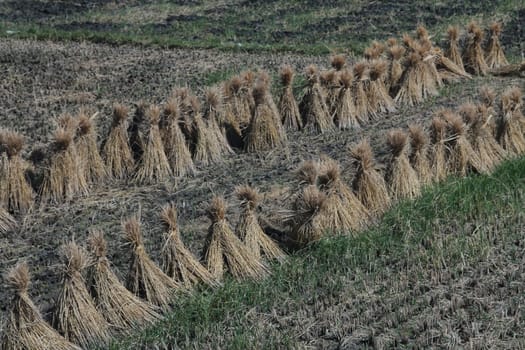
(443, 271)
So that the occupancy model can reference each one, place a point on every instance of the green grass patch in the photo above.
(453, 213)
(303, 27)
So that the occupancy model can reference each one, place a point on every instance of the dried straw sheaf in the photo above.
(24, 327)
(139, 130)
(495, 57)
(343, 211)
(512, 123)
(309, 220)
(75, 315)
(473, 56)
(402, 179)
(395, 67)
(346, 114)
(338, 62)
(207, 148)
(438, 158)
(116, 151)
(419, 155)
(378, 96)
(452, 51)
(19, 195)
(313, 107)
(250, 231)
(369, 185)
(120, 308)
(421, 78)
(263, 134)
(177, 260)
(145, 279)
(448, 70)
(86, 141)
(183, 97)
(264, 80)
(517, 69)
(410, 87)
(238, 111)
(462, 156)
(64, 178)
(153, 165)
(490, 153)
(213, 115)
(329, 80)
(223, 250)
(288, 107)
(360, 86)
(7, 221)
(177, 151)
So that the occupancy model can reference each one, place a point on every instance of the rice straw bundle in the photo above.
(64, 178)
(153, 165)
(250, 231)
(369, 184)
(452, 51)
(248, 81)
(263, 134)
(473, 56)
(307, 172)
(511, 124)
(419, 153)
(360, 86)
(487, 96)
(139, 131)
(67, 122)
(329, 80)
(343, 211)
(390, 42)
(374, 51)
(448, 70)
(213, 114)
(207, 147)
(7, 222)
(288, 107)
(422, 35)
(410, 85)
(223, 250)
(430, 77)
(438, 152)
(87, 149)
(395, 68)
(19, 193)
(510, 70)
(117, 151)
(177, 260)
(177, 151)
(24, 327)
(378, 97)
(309, 220)
(145, 279)
(490, 153)
(495, 57)
(401, 177)
(346, 115)
(264, 80)
(120, 308)
(462, 156)
(313, 108)
(338, 62)
(75, 315)
(238, 111)
(183, 98)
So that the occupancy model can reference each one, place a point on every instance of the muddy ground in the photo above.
(42, 80)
